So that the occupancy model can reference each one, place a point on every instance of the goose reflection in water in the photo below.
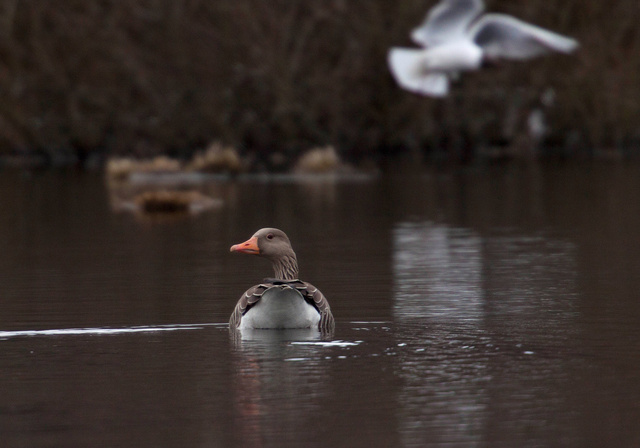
(269, 370)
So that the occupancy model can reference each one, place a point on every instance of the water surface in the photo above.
(492, 306)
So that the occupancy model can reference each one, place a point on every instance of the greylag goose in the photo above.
(457, 37)
(283, 301)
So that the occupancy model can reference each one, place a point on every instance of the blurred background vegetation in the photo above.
(85, 79)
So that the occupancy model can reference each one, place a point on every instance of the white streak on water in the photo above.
(369, 322)
(104, 330)
(329, 344)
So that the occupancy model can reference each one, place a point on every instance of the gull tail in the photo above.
(407, 68)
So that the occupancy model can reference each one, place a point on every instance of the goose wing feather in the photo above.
(246, 301)
(318, 300)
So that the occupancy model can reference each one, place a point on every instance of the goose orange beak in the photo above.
(248, 247)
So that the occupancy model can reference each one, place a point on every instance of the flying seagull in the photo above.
(457, 37)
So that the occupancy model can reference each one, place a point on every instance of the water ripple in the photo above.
(103, 330)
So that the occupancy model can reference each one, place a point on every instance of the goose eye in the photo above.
(270, 236)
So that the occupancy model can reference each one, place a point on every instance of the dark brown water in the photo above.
(494, 307)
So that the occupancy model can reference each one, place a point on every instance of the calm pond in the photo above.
(480, 307)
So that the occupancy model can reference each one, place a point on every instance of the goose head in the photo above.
(274, 245)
